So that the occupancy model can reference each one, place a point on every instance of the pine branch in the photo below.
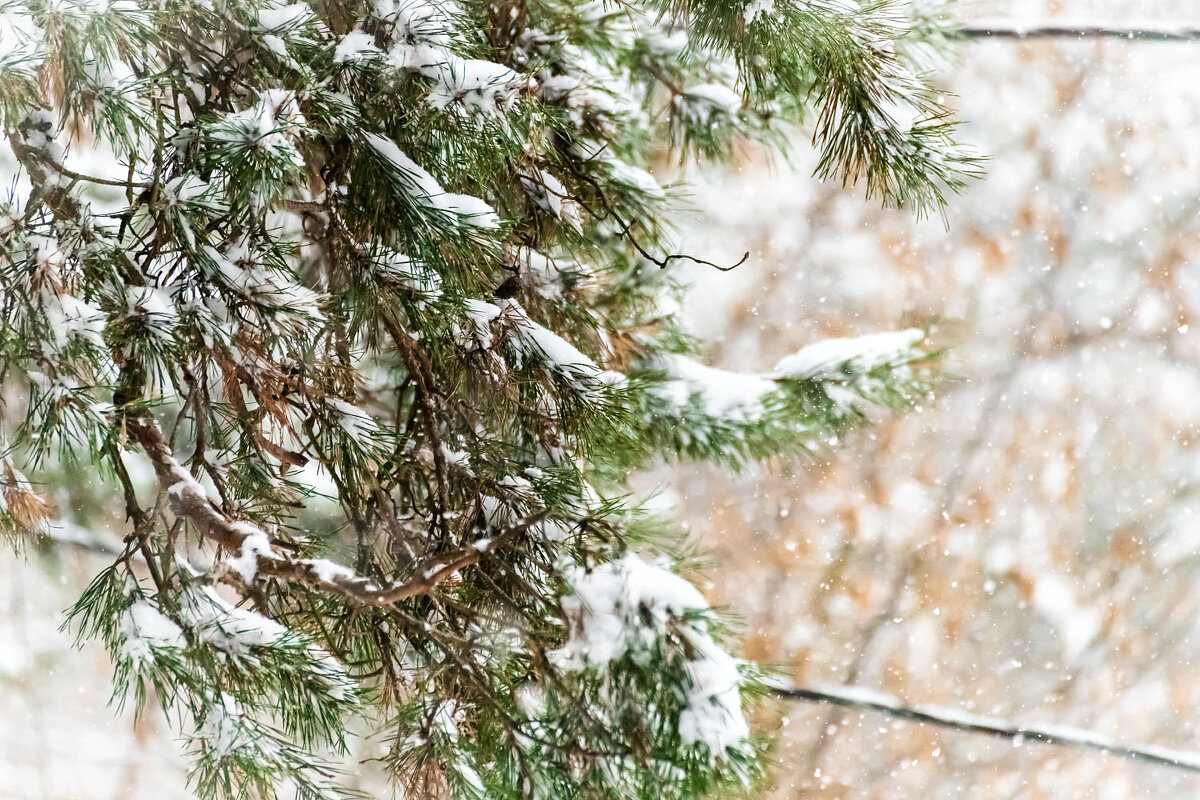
(1075, 738)
(189, 500)
(1010, 30)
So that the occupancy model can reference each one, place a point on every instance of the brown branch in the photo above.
(424, 385)
(188, 500)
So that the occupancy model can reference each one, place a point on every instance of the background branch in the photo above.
(865, 700)
(1008, 30)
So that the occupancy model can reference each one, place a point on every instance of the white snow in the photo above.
(832, 358)
(184, 483)
(421, 36)
(700, 103)
(473, 85)
(413, 274)
(480, 315)
(69, 316)
(355, 46)
(145, 629)
(360, 425)
(154, 308)
(329, 571)
(549, 194)
(721, 393)
(222, 727)
(559, 354)
(756, 9)
(611, 605)
(268, 126)
(555, 353)
(713, 716)
(424, 188)
(624, 607)
(471, 210)
(550, 276)
(255, 544)
(635, 178)
(282, 17)
(228, 628)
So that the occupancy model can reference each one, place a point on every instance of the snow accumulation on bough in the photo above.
(145, 629)
(850, 356)
(721, 393)
(423, 188)
(624, 607)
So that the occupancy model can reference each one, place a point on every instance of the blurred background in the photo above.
(1027, 546)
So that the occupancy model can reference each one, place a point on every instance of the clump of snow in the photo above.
(713, 716)
(626, 606)
(471, 210)
(549, 277)
(621, 606)
(222, 728)
(153, 307)
(413, 274)
(243, 271)
(356, 45)
(895, 113)
(555, 353)
(281, 18)
(421, 38)
(329, 571)
(480, 316)
(268, 126)
(354, 421)
(756, 9)
(69, 316)
(40, 127)
(719, 392)
(582, 95)
(146, 629)
(472, 86)
(230, 629)
(833, 358)
(635, 178)
(700, 104)
(184, 483)
(560, 355)
(255, 544)
(423, 188)
(548, 194)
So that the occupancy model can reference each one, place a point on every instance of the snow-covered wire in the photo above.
(1058, 736)
(1052, 30)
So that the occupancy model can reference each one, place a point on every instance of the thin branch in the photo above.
(627, 232)
(84, 540)
(863, 700)
(188, 499)
(1010, 30)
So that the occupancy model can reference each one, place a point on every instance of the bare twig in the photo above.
(859, 699)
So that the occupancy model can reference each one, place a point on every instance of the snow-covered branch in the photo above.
(1001, 29)
(255, 555)
(1059, 736)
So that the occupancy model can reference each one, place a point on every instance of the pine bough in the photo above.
(355, 313)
